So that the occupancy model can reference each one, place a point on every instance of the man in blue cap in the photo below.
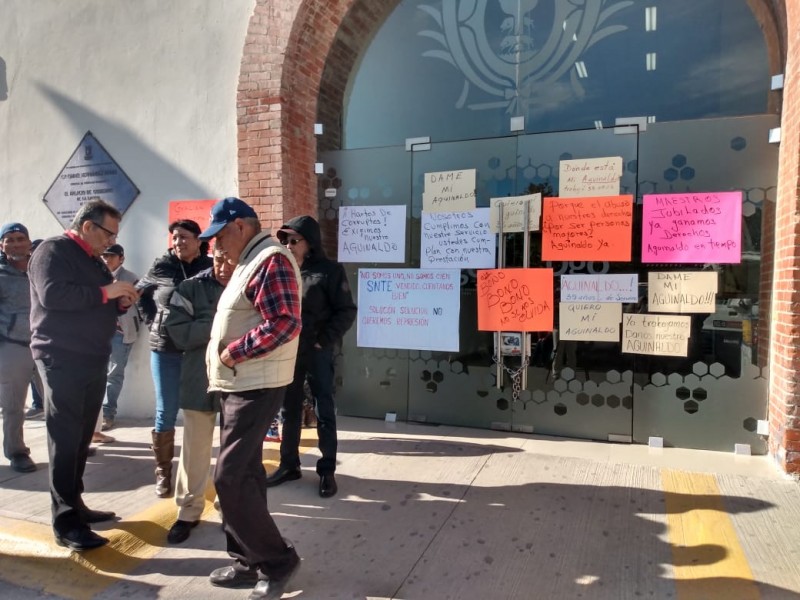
(16, 362)
(250, 360)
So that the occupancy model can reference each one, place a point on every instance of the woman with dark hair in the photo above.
(187, 257)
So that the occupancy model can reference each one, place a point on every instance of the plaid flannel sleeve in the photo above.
(274, 293)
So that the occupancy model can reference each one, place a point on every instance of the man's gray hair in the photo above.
(95, 210)
(253, 222)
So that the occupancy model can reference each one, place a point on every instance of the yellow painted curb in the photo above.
(709, 561)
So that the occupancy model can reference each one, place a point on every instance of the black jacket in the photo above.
(68, 315)
(157, 287)
(328, 310)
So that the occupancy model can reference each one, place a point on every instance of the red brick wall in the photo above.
(284, 54)
(784, 418)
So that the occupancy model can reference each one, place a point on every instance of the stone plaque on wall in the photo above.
(89, 173)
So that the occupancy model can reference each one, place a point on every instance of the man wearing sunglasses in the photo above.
(74, 307)
(328, 311)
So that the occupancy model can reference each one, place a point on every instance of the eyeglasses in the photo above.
(111, 234)
(292, 241)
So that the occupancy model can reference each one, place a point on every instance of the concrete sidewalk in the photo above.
(437, 512)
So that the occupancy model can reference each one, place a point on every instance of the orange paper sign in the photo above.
(515, 300)
(198, 211)
(594, 229)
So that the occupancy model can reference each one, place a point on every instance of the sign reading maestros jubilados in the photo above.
(696, 227)
(409, 309)
(89, 173)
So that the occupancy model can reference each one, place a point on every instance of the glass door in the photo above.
(710, 399)
(371, 382)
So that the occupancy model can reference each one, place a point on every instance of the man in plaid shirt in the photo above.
(250, 360)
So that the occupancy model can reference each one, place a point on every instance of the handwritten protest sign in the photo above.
(449, 191)
(589, 321)
(513, 209)
(587, 177)
(595, 229)
(198, 211)
(663, 335)
(372, 234)
(600, 288)
(411, 309)
(457, 240)
(682, 292)
(692, 228)
(515, 300)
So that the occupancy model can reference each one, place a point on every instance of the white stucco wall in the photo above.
(154, 81)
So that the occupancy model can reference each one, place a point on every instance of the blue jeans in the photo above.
(116, 374)
(166, 369)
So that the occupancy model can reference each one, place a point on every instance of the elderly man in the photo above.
(250, 358)
(74, 306)
(16, 362)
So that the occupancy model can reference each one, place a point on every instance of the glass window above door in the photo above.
(460, 69)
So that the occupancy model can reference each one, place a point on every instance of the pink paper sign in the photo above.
(701, 227)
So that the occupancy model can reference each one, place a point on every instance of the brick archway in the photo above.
(283, 68)
(298, 57)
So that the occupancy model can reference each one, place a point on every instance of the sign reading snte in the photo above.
(89, 173)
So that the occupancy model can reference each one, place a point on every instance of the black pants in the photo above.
(317, 365)
(74, 387)
(253, 539)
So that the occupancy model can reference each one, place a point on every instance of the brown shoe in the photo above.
(102, 438)
(108, 423)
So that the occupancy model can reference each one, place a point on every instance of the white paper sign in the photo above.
(600, 288)
(449, 191)
(589, 177)
(514, 213)
(372, 234)
(590, 321)
(663, 335)
(408, 309)
(443, 181)
(682, 292)
(457, 240)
